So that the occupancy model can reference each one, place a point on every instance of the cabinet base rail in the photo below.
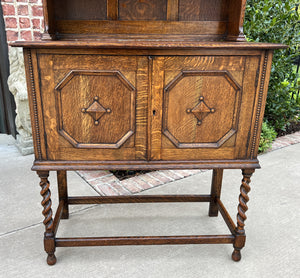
(147, 240)
(237, 235)
(142, 240)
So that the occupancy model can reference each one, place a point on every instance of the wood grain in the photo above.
(198, 10)
(173, 10)
(140, 26)
(125, 43)
(142, 9)
(76, 88)
(79, 10)
(140, 84)
(112, 9)
(215, 191)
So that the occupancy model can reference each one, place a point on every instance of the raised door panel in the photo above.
(106, 100)
(94, 106)
(205, 108)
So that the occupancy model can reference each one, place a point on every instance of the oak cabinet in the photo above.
(105, 107)
(131, 84)
(94, 106)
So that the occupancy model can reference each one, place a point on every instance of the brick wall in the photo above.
(23, 19)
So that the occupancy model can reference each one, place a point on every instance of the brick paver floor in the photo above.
(105, 183)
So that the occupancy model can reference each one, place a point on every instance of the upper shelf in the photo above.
(145, 43)
(208, 19)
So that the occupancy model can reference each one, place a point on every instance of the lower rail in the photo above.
(228, 220)
(137, 199)
(151, 240)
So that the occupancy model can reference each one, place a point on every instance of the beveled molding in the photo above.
(72, 140)
(228, 134)
(34, 105)
(144, 165)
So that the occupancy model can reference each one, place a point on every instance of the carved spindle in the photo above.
(241, 216)
(49, 243)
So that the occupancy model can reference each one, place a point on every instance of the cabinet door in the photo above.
(202, 106)
(94, 106)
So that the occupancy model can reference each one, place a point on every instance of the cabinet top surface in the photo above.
(136, 43)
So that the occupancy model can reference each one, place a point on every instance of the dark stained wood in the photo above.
(202, 10)
(75, 16)
(80, 10)
(63, 192)
(172, 10)
(140, 84)
(49, 235)
(236, 14)
(142, 10)
(240, 235)
(153, 240)
(150, 43)
(112, 9)
(207, 28)
(49, 21)
(143, 165)
(58, 216)
(215, 191)
(138, 199)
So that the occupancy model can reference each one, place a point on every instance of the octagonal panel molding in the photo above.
(192, 99)
(89, 96)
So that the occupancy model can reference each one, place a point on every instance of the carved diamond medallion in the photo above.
(201, 110)
(96, 110)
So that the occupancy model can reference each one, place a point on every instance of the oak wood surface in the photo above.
(62, 186)
(72, 165)
(80, 10)
(140, 84)
(151, 240)
(215, 191)
(142, 10)
(147, 42)
(201, 10)
(81, 85)
(228, 15)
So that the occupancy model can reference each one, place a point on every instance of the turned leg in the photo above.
(216, 185)
(63, 192)
(49, 242)
(240, 236)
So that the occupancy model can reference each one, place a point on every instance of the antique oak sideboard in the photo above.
(146, 84)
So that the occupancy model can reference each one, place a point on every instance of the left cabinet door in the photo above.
(93, 106)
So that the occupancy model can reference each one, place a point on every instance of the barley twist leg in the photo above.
(240, 235)
(49, 243)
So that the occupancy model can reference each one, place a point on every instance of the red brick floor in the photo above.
(105, 183)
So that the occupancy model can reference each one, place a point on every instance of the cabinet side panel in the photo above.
(260, 101)
(36, 112)
(249, 89)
